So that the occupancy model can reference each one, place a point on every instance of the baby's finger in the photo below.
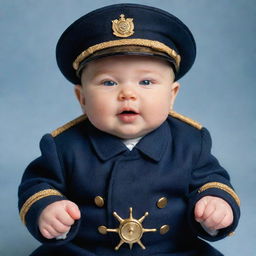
(53, 233)
(73, 210)
(45, 233)
(208, 211)
(214, 220)
(60, 228)
(199, 209)
(226, 221)
(65, 218)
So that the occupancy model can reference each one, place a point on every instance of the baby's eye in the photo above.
(145, 82)
(109, 83)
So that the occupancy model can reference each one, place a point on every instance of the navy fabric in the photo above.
(173, 161)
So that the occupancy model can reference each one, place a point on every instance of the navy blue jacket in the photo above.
(81, 162)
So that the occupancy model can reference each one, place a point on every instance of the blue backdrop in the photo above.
(219, 92)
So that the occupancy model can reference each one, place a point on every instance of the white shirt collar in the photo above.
(131, 143)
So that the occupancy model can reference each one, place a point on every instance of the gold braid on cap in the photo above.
(137, 41)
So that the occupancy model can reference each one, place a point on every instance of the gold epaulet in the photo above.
(186, 119)
(68, 125)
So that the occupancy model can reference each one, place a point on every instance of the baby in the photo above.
(130, 165)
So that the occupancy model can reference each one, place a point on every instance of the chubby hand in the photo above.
(213, 213)
(57, 218)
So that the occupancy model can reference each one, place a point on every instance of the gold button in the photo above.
(162, 202)
(99, 201)
(164, 229)
(102, 230)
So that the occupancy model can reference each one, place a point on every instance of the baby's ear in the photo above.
(79, 94)
(175, 87)
(174, 92)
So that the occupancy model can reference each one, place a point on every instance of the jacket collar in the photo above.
(105, 145)
(153, 145)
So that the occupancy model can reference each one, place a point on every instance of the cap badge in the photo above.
(123, 27)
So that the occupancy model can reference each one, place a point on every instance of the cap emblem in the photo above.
(123, 27)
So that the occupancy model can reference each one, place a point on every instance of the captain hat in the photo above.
(125, 29)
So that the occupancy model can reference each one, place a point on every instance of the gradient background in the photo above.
(219, 92)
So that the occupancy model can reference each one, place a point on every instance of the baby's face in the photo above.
(127, 96)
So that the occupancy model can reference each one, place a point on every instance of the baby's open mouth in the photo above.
(128, 116)
(127, 112)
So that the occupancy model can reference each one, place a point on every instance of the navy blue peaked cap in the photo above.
(125, 29)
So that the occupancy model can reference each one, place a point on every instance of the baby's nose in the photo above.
(127, 94)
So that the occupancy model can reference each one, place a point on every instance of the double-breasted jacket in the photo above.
(138, 202)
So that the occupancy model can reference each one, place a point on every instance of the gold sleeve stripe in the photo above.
(34, 198)
(186, 119)
(68, 125)
(222, 187)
